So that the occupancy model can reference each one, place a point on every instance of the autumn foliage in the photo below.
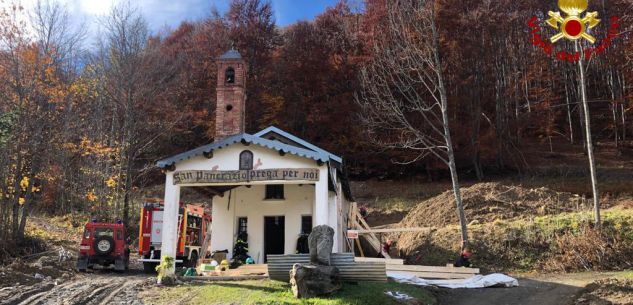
(82, 127)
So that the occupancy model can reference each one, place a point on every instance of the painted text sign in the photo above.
(236, 176)
(352, 234)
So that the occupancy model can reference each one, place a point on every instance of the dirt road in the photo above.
(98, 287)
(560, 289)
(529, 292)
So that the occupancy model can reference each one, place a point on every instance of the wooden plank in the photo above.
(392, 230)
(436, 275)
(222, 278)
(388, 261)
(392, 267)
(274, 265)
(362, 224)
(342, 268)
(334, 255)
(333, 258)
(371, 238)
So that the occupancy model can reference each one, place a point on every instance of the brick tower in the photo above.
(231, 96)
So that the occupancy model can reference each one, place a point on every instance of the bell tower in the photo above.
(231, 95)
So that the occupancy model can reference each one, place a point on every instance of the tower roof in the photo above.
(231, 54)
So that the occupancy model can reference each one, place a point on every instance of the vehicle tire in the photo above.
(149, 267)
(193, 260)
(103, 245)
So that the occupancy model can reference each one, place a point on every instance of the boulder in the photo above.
(311, 280)
(320, 243)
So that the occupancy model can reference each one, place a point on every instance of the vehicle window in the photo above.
(87, 233)
(119, 235)
(104, 232)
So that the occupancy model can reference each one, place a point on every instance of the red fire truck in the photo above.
(192, 230)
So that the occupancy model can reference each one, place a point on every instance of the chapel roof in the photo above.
(271, 137)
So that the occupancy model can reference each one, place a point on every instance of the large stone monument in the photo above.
(318, 277)
(320, 244)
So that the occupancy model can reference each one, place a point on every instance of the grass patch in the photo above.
(396, 203)
(627, 275)
(275, 292)
(563, 242)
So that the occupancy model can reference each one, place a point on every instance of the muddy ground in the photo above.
(49, 280)
(39, 284)
(549, 289)
(99, 288)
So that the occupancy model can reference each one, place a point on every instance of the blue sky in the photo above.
(289, 11)
(160, 13)
(170, 13)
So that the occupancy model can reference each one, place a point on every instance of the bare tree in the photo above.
(403, 96)
(589, 142)
(132, 77)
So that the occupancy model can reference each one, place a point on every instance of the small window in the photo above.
(242, 225)
(104, 232)
(119, 235)
(246, 160)
(230, 76)
(87, 233)
(274, 191)
(306, 224)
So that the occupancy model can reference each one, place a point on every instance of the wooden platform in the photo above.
(387, 261)
(241, 271)
(279, 267)
(222, 278)
(434, 272)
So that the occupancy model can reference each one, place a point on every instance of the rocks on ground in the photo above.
(318, 277)
(310, 280)
(45, 268)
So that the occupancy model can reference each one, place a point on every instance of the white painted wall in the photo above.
(312, 198)
(228, 157)
(250, 203)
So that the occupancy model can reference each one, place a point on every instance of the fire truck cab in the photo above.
(192, 230)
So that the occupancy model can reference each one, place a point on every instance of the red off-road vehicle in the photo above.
(104, 244)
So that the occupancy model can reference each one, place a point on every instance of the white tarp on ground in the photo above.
(476, 281)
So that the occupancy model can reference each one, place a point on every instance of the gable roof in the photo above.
(297, 141)
(307, 150)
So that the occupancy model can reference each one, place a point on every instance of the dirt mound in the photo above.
(486, 202)
(607, 292)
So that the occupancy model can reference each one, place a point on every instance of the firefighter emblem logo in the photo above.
(573, 27)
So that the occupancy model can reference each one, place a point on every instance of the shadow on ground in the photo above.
(529, 292)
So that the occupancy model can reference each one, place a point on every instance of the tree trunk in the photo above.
(128, 189)
(449, 143)
(569, 119)
(589, 143)
(476, 127)
(26, 207)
